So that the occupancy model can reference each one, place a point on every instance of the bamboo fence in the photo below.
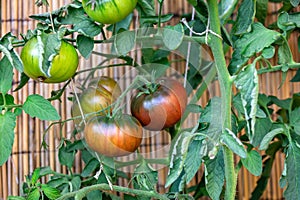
(27, 153)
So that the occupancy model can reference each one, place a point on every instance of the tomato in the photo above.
(113, 136)
(108, 11)
(100, 94)
(161, 108)
(63, 67)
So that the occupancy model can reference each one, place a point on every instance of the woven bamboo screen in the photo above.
(27, 154)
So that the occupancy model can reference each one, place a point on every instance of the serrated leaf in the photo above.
(234, 143)
(51, 193)
(145, 177)
(293, 171)
(215, 175)
(193, 159)
(146, 7)
(34, 194)
(247, 83)
(7, 125)
(81, 23)
(245, 17)
(172, 36)
(253, 162)
(37, 106)
(85, 45)
(6, 78)
(35, 176)
(124, 42)
(250, 43)
(268, 138)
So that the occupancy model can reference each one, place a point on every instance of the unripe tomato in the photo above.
(100, 94)
(161, 108)
(108, 11)
(63, 67)
(113, 136)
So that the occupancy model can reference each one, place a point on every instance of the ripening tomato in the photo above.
(63, 67)
(108, 11)
(113, 136)
(100, 94)
(161, 108)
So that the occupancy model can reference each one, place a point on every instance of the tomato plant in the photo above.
(159, 106)
(108, 11)
(113, 136)
(62, 67)
(99, 95)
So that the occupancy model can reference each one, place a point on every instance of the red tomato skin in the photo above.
(113, 137)
(162, 108)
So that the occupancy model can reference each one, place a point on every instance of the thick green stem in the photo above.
(83, 192)
(226, 95)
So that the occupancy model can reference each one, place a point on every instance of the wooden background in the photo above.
(27, 154)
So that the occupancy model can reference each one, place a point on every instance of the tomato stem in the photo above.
(225, 82)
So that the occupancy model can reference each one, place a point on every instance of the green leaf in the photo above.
(34, 194)
(80, 22)
(85, 45)
(172, 36)
(285, 54)
(51, 193)
(253, 162)
(250, 43)
(6, 46)
(215, 175)
(65, 157)
(247, 82)
(16, 198)
(145, 177)
(76, 183)
(226, 9)
(90, 167)
(295, 120)
(146, 7)
(35, 176)
(6, 78)
(124, 42)
(233, 142)
(295, 3)
(268, 52)
(155, 19)
(269, 137)
(57, 182)
(293, 171)
(262, 128)
(24, 80)
(193, 159)
(37, 106)
(245, 17)
(261, 10)
(7, 125)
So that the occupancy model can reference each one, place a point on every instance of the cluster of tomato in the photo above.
(160, 107)
(122, 134)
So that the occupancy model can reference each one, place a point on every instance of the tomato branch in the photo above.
(226, 92)
(80, 194)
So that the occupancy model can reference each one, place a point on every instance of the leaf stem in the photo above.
(80, 194)
(226, 95)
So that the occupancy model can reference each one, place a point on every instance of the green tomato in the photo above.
(108, 11)
(63, 67)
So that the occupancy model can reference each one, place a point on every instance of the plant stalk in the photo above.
(225, 82)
